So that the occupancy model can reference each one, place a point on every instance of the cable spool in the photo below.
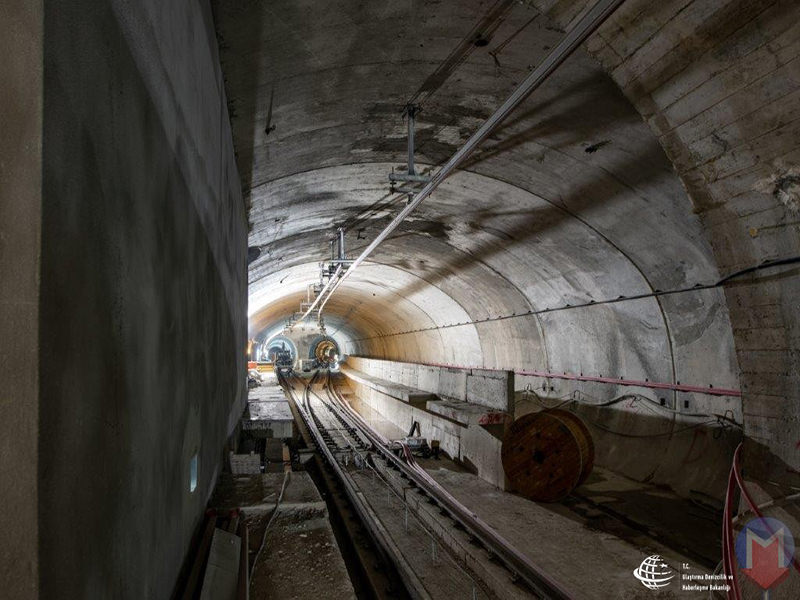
(547, 454)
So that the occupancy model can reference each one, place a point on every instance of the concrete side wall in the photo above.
(143, 292)
(471, 444)
(634, 437)
(20, 208)
(485, 387)
(719, 83)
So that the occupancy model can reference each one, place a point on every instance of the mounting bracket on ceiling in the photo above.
(586, 25)
(338, 253)
(410, 111)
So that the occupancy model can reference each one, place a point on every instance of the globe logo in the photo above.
(654, 573)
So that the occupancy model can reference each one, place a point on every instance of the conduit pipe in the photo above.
(677, 387)
(587, 25)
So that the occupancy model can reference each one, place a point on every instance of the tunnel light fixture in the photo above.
(193, 473)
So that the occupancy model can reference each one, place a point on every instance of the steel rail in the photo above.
(381, 538)
(333, 407)
(587, 25)
(519, 564)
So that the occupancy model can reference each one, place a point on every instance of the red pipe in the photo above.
(728, 551)
(737, 471)
(678, 387)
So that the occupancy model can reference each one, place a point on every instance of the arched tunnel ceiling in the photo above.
(571, 201)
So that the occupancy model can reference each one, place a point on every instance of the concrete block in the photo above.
(222, 572)
(389, 388)
(245, 464)
(450, 409)
(493, 389)
(428, 378)
(453, 383)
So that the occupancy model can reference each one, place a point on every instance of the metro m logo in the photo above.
(764, 549)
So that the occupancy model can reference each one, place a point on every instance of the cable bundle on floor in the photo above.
(728, 553)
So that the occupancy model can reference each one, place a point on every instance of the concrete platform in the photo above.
(273, 410)
(491, 388)
(268, 413)
(592, 564)
(460, 412)
(462, 438)
(398, 391)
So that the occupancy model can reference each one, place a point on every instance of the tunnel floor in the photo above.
(644, 515)
(609, 522)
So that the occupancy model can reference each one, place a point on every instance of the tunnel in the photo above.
(472, 226)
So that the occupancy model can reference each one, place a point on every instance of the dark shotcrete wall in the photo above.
(143, 292)
(20, 203)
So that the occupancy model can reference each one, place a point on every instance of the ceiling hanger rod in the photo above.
(587, 25)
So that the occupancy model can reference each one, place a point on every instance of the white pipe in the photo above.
(588, 24)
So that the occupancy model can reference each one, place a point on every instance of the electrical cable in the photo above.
(501, 46)
(723, 421)
(649, 435)
(728, 548)
(696, 288)
(286, 477)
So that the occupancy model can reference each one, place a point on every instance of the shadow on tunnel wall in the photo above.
(761, 465)
(140, 339)
(692, 456)
(527, 224)
(645, 166)
(249, 33)
(583, 109)
(720, 33)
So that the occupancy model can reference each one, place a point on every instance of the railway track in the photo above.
(342, 435)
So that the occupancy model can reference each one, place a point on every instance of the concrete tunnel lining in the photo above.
(568, 262)
(572, 201)
(582, 150)
(663, 154)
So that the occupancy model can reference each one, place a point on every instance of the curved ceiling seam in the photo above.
(562, 209)
(511, 284)
(550, 202)
(355, 341)
(634, 264)
(619, 250)
(517, 186)
(436, 327)
(435, 323)
(336, 166)
(372, 323)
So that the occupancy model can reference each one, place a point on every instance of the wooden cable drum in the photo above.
(547, 454)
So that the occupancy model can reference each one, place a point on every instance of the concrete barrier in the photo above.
(486, 387)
